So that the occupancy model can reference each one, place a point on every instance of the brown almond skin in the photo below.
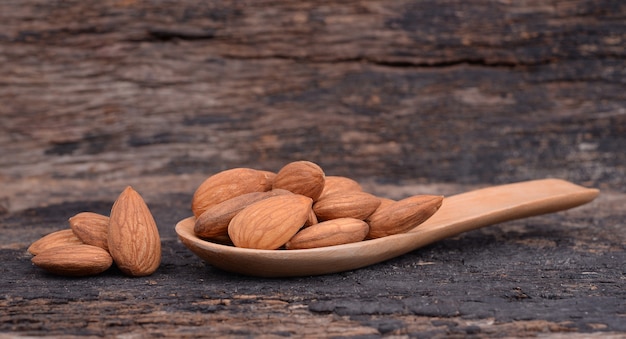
(55, 239)
(384, 202)
(301, 177)
(311, 220)
(213, 223)
(335, 183)
(402, 215)
(133, 236)
(91, 228)
(269, 223)
(229, 184)
(346, 204)
(74, 260)
(329, 233)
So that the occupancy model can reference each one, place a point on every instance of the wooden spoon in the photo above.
(459, 213)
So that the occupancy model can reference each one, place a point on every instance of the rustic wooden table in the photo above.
(406, 97)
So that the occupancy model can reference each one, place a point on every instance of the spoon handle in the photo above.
(475, 209)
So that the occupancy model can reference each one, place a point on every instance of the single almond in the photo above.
(55, 239)
(269, 223)
(133, 236)
(74, 260)
(213, 222)
(403, 215)
(335, 183)
(346, 204)
(301, 177)
(229, 184)
(91, 228)
(329, 233)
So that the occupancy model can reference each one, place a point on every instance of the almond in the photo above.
(74, 260)
(334, 183)
(301, 177)
(55, 239)
(229, 184)
(329, 233)
(91, 228)
(269, 223)
(346, 204)
(133, 236)
(403, 215)
(213, 222)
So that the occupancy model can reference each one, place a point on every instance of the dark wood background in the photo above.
(405, 96)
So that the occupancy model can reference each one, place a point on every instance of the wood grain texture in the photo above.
(406, 97)
(443, 91)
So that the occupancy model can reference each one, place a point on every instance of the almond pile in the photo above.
(128, 237)
(299, 207)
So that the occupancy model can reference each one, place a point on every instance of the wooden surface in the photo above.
(406, 97)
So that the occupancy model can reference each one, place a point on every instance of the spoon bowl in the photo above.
(458, 213)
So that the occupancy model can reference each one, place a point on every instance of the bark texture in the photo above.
(406, 97)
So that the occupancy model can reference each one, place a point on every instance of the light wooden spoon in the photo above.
(459, 213)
